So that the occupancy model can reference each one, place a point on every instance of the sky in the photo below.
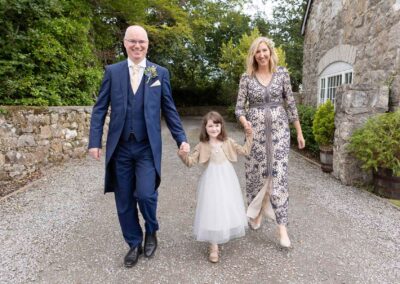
(257, 5)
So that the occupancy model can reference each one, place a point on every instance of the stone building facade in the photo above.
(352, 57)
(361, 37)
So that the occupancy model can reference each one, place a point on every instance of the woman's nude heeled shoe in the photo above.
(213, 257)
(269, 212)
(284, 240)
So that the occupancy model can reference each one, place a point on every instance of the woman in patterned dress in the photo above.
(263, 90)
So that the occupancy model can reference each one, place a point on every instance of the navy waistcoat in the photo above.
(134, 119)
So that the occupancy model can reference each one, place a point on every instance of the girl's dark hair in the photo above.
(217, 119)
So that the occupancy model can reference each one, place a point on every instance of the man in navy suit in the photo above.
(136, 90)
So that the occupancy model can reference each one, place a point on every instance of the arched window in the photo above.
(332, 76)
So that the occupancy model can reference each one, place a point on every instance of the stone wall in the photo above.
(363, 33)
(354, 105)
(32, 138)
(298, 97)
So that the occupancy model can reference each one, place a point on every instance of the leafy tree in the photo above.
(47, 59)
(191, 47)
(233, 60)
(164, 20)
(262, 24)
(212, 23)
(233, 63)
(54, 56)
(285, 30)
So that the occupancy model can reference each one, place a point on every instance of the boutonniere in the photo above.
(150, 72)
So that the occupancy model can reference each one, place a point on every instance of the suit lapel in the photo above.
(147, 84)
(125, 82)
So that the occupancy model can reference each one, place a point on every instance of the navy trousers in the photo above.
(135, 187)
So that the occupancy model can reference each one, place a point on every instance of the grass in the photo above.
(395, 202)
(3, 111)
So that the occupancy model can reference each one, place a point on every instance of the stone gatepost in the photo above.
(354, 104)
(394, 99)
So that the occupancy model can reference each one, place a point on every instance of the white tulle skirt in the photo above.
(220, 213)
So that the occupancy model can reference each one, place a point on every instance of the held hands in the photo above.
(95, 153)
(247, 128)
(184, 149)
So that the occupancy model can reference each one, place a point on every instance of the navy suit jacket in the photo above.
(113, 93)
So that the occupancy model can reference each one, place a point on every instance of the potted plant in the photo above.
(377, 146)
(324, 130)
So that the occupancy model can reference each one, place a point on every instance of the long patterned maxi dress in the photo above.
(267, 165)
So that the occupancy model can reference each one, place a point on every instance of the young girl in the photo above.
(220, 213)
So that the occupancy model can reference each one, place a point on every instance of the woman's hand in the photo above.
(300, 141)
(245, 123)
(248, 129)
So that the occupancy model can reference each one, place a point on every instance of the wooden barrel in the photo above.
(326, 158)
(386, 184)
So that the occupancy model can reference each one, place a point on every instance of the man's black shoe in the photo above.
(132, 256)
(150, 244)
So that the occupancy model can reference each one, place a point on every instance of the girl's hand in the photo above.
(182, 153)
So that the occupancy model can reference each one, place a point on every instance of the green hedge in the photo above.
(377, 143)
(47, 54)
(324, 124)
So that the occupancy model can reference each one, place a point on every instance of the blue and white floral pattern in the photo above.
(264, 107)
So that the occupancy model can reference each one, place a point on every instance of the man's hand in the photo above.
(182, 153)
(185, 147)
(95, 153)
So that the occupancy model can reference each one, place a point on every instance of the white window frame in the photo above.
(329, 81)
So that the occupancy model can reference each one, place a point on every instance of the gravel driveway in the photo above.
(63, 229)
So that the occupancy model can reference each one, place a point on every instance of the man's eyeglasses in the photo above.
(132, 41)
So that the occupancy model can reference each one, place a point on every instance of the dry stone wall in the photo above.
(33, 138)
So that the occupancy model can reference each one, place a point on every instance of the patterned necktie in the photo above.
(135, 78)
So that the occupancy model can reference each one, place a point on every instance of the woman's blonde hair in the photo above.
(251, 63)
